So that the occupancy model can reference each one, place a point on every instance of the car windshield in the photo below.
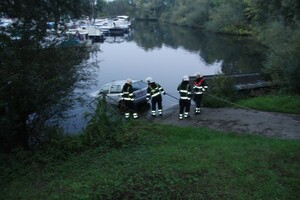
(104, 89)
(115, 89)
(138, 85)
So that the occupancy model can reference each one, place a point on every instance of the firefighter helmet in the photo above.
(185, 78)
(129, 81)
(149, 80)
(198, 74)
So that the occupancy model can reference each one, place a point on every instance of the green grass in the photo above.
(283, 104)
(168, 163)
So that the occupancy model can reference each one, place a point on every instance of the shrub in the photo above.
(107, 128)
(283, 58)
(221, 92)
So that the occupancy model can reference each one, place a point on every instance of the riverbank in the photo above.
(243, 121)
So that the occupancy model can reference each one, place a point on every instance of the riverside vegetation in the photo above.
(37, 89)
(114, 159)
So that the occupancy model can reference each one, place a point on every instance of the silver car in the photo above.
(113, 91)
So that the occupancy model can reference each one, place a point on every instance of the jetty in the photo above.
(248, 81)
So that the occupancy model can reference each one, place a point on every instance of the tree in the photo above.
(118, 7)
(228, 17)
(263, 12)
(283, 58)
(37, 75)
(151, 9)
(99, 8)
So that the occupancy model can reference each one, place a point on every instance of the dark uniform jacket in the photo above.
(200, 86)
(185, 90)
(127, 92)
(154, 90)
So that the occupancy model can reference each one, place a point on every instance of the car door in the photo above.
(105, 91)
(115, 93)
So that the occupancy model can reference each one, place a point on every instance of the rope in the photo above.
(245, 107)
(172, 96)
(176, 98)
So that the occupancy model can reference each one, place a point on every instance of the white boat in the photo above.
(84, 33)
(116, 26)
(104, 28)
(95, 34)
(81, 34)
(5, 22)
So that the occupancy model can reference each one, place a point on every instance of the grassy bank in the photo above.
(274, 103)
(167, 162)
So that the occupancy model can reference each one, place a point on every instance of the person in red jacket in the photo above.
(200, 86)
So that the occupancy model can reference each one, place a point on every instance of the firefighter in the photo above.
(128, 99)
(154, 92)
(199, 88)
(185, 91)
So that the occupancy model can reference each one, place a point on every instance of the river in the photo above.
(167, 53)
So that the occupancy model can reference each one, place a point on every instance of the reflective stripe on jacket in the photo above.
(184, 90)
(200, 86)
(154, 89)
(127, 92)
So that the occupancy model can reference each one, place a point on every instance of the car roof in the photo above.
(116, 82)
(122, 82)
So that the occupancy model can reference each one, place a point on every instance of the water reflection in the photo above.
(237, 54)
(166, 53)
(115, 39)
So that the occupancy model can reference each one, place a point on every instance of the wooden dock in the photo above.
(244, 81)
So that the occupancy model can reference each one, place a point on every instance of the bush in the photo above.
(221, 92)
(107, 128)
(283, 58)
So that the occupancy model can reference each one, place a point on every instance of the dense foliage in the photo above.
(221, 92)
(37, 75)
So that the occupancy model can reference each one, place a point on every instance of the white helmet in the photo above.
(149, 80)
(198, 74)
(185, 78)
(129, 81)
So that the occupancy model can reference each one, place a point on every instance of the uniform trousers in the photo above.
(156, 100)
(184, 106)
(198, 100)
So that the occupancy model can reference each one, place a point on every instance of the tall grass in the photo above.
(222, 93)
(274, 103)
(168, 163)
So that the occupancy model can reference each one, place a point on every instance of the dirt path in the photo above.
(269, 124)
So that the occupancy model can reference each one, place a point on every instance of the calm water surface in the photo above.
(167, 53)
